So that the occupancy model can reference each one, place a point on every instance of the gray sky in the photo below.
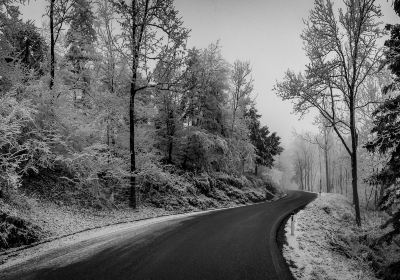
(265, 32)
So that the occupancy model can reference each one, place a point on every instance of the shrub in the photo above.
(24, 146)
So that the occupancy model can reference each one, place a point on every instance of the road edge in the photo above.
(14, 251)
(279, 237)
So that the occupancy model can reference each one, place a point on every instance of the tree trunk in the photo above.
(347, 181)
(354, 186)
(354, 143)
(320, 171)
(135, 57)
(233, 120)
(52, 43)
(328, 189)
(133, 196)
(333, 178)
(170, 148)
(301, 179)
(341, 180)
(326, 161)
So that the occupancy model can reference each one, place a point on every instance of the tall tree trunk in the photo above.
(133, 196)
(333, 178)
(354, 143)
(52, 43)
(233, 119)
(347, 182)
(301, 179)
(326, 153)
(135, 57)
(341, 179)
(170, 148)
(328, 189)
(311, 179)
(320, 171)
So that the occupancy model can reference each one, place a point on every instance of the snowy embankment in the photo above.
(326, 243)
(48, 223)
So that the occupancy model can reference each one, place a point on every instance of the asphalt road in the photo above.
(237, 243)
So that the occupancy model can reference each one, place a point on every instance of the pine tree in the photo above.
(387, 136)
(20, 44)
(267, 145)
(79, 41)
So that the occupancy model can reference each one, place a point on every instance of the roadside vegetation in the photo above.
(107, 116)
(351, 83)
(327, 244)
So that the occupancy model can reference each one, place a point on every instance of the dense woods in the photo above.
(106, 107)
(108, 99)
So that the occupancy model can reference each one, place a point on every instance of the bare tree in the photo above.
(59, 13)
(52, 43)
(242, 83)
(343, 55)
(304, 164)
(107, 37)
(324, 144)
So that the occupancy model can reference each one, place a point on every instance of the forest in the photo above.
(106, 115)
(106, 108)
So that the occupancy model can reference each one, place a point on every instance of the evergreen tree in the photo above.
(20, 44)
(79, 41)
(203, 141)
(386, 133)
(267, 145)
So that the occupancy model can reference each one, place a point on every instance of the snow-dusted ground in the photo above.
(33, 253)
(322, 246)
(69, 227)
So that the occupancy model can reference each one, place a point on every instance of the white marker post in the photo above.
(292, 226)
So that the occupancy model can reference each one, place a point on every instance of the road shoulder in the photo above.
(22, 254)
(315, 251)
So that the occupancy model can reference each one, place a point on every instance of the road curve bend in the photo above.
(238, 243)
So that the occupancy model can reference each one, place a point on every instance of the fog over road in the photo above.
(238, 243)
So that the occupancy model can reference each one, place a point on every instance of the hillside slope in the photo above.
(46, 207)
(328, 245)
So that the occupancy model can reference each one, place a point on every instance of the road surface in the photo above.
(238, 243)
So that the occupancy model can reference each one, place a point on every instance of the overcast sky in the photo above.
(265, 32)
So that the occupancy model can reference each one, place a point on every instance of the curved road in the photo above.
(238, 243)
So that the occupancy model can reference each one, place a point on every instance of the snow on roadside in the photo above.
(17, 257)
(58, 220)
(312, 252)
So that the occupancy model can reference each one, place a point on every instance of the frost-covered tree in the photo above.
(59, 13)
(21, 46)
(79, 41)
(343, 54)
(203, 139)
(387, 135)
(242, 86)
(151, 31)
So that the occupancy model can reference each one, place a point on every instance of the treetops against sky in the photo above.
(267, 33)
